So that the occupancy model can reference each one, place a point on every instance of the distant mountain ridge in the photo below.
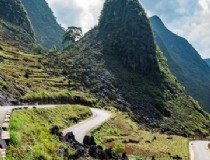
(207, 61)
(47, 31)
(184, 62)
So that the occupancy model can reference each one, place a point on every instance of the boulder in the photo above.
(109, 153)
(86, 140)
(92, 141)
(93, 151)
(69, 136)
(124, 156)
(54, 130)
(80, 152)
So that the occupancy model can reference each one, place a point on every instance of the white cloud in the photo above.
(85, 13)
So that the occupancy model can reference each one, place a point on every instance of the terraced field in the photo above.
(29, 71)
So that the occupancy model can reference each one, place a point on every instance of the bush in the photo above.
(119, 148)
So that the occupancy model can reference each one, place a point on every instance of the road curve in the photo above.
(82, 128)
(199, 150)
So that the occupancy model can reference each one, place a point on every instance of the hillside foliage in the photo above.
(15, 27)
(47, 31)
(184, 62)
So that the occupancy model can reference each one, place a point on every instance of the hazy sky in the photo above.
(187, 18)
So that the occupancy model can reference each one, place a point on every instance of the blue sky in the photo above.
(187, 18)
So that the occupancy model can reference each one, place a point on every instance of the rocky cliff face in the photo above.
(128, 35)
(184, 62)
(118, 63)
(47, 31)
(9, 91)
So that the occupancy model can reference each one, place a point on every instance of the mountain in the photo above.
(119, 64)
(15, 27)
(184, 62)
(208, 61)
(47, 31)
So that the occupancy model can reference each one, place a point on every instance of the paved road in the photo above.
(81, 129)
(199, 150)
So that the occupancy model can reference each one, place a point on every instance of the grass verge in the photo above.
(30, 131)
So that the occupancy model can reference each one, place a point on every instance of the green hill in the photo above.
(47, 31)
(184, 62)
(15, 27)
(119, 63)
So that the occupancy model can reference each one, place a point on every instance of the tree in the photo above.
(72, 35)
(38, 49)
(53, 48)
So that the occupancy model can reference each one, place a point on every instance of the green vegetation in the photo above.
(47, 31)
(71, 36)
(30, 131)
(119, 148)
(25, 73)
(123, 134)
(15, 27)
(60, 97)
(184, 62)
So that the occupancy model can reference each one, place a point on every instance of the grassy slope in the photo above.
(17, 64)
(15, 36)
(139, 142)
(44, 83)
(30, 131)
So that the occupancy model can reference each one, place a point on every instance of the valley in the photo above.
(127, 88)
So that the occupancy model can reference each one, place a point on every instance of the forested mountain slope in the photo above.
(184, 62)
(208, 61)
(15, 27)
(47, 31)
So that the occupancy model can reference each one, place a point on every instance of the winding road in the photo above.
(81, 129)
(199, 150)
